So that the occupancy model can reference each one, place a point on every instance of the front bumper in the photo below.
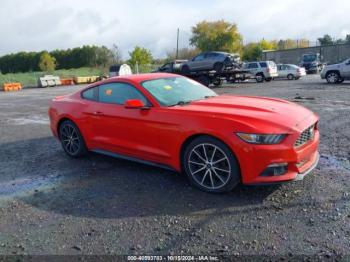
(255, 159)
(301, 176)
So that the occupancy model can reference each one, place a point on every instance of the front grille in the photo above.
(305, 136)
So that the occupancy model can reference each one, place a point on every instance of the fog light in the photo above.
(275, 170)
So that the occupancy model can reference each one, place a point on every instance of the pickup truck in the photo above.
(336, 73)
(311, 62)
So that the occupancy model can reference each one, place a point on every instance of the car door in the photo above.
(122, 130)
(210, 60)
(282, 71)
(168, 68)
(197, 62)
(253, 68)
(345, 69)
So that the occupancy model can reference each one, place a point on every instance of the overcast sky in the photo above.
(28, 25)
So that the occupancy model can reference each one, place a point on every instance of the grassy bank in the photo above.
(31, 78)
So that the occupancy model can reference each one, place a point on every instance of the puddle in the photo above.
(37, 120)
(23, 185)
(333, 163)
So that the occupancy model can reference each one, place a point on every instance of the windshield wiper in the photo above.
(209, 96)
(181, 103)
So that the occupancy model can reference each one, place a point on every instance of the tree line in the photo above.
(86, 56)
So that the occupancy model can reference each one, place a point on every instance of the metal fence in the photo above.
(329, 54)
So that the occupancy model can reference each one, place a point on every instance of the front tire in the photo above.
(260, 78)
(290, 77)
(71, 139)
(332, 77)
(210, 165)
(219, 67)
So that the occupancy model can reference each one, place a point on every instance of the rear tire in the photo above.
(210, 165)
(217, 82)
(71, 139)
(204, 80)
(185, 69)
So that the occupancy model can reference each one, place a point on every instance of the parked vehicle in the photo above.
(119, 70)
(290, 71)
(262, 70)
(336, 73)
(216, 61)
(171, 67)
(174, 122)
(207, 77)
(311, 62)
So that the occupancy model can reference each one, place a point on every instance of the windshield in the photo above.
(176, 90)
(309, 58)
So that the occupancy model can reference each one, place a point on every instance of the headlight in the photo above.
(261, 139)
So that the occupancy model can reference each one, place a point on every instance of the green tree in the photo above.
(47, 62)
(216, 36)
(140, 56)
(326, 40)
(253, 51)
(268, 45)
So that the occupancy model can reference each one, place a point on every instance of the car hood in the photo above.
(255, 113)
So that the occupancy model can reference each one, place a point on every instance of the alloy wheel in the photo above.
(209, 166)
(70, 139)
(332, 78)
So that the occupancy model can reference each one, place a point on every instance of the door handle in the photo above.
(97, 113)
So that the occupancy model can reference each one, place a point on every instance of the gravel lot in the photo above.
(51, 204)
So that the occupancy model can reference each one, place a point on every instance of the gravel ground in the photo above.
(51, 204)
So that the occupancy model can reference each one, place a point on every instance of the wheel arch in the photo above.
(332, 71)
(62, 119)
(192, 137)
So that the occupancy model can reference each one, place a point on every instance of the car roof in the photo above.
(216, 52)
(139, 78)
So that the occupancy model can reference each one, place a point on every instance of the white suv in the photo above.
(262, 70)
(336, 73)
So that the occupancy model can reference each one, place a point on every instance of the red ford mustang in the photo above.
(174, 122)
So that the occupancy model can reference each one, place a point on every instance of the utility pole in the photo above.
(177, 44)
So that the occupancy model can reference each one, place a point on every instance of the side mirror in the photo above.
(134, 104)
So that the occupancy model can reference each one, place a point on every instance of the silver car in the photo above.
(290, 71)
(209, 61)
(336, 73)
(262, 70)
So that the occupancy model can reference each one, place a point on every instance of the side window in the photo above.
(211, 56)
(253, 65)
(89, 94)
(199, 58)
(118, 93)
(166, 67)
(263, 64)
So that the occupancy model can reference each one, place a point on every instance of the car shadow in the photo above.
(105, 187)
